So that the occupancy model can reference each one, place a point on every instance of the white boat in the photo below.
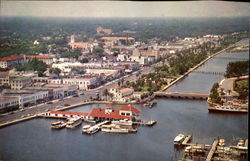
(179, 138)
(124, 122)
(85, 128)
(59, 125)
(150, 123)
(194, 149)
(115, 130)
(92, 130)
(74, 123)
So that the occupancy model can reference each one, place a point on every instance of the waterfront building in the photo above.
(121, 94)
(8, 103)
(27, 97)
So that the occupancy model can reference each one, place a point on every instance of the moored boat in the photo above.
(91, 130)
(74, 123)
(124, 122)
(178, 139)
(115, 130)
(151, 123)
(59, 125)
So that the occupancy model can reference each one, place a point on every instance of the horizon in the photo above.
(125, 9)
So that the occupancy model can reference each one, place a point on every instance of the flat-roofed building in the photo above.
(28, 97)
(8, 103)
(82, 82)
(4, 79)
(20, 82)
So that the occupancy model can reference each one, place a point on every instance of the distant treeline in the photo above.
(165, 28)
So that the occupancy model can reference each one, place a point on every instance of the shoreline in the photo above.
(195, 67)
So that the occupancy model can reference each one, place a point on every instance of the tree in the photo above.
(106, 93)
(56, 71)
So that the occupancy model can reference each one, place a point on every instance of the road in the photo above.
(72, 100)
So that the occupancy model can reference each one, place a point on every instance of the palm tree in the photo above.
(106, 93)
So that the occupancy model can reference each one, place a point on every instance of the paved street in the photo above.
(72, 100)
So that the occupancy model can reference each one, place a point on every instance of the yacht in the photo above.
(124, 122)
(230, 108)
(179, 138)
(74, 123)
(112, 129)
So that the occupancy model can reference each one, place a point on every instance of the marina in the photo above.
(216, 151)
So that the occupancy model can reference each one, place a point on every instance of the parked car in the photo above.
(66, 104)
(49, 103)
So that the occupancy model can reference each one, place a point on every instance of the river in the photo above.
(34, 140)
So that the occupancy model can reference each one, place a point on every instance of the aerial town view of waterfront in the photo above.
(124, 81)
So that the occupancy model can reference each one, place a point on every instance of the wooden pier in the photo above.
(182, 95)
(212, 150)
(187, 140)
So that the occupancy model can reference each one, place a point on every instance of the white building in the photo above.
(8, 103)
(82, 82)
(121, 95)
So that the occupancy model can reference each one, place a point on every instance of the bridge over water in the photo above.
(182, 95)
(208, 72)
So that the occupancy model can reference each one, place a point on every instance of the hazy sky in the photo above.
(124, 9)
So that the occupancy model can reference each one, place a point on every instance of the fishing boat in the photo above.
(73, 123)
(178, 139)
(59, 125)
(124, 122)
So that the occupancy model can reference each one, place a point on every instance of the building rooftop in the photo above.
(117, 38)
(126, 90)
(13, 57)
(4, 98)
(101, 112)
(39, 57)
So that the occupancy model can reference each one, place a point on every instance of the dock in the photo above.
(187, 140)
(212, 150)
(100, 124)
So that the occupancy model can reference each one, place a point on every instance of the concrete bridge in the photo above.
(231, 57)
(182, 95)
(209, 72)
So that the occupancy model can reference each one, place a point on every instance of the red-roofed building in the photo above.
(126, 112)
(132, 109)
(8, 60)
(108, 114)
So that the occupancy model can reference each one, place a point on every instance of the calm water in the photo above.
(34, 140)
